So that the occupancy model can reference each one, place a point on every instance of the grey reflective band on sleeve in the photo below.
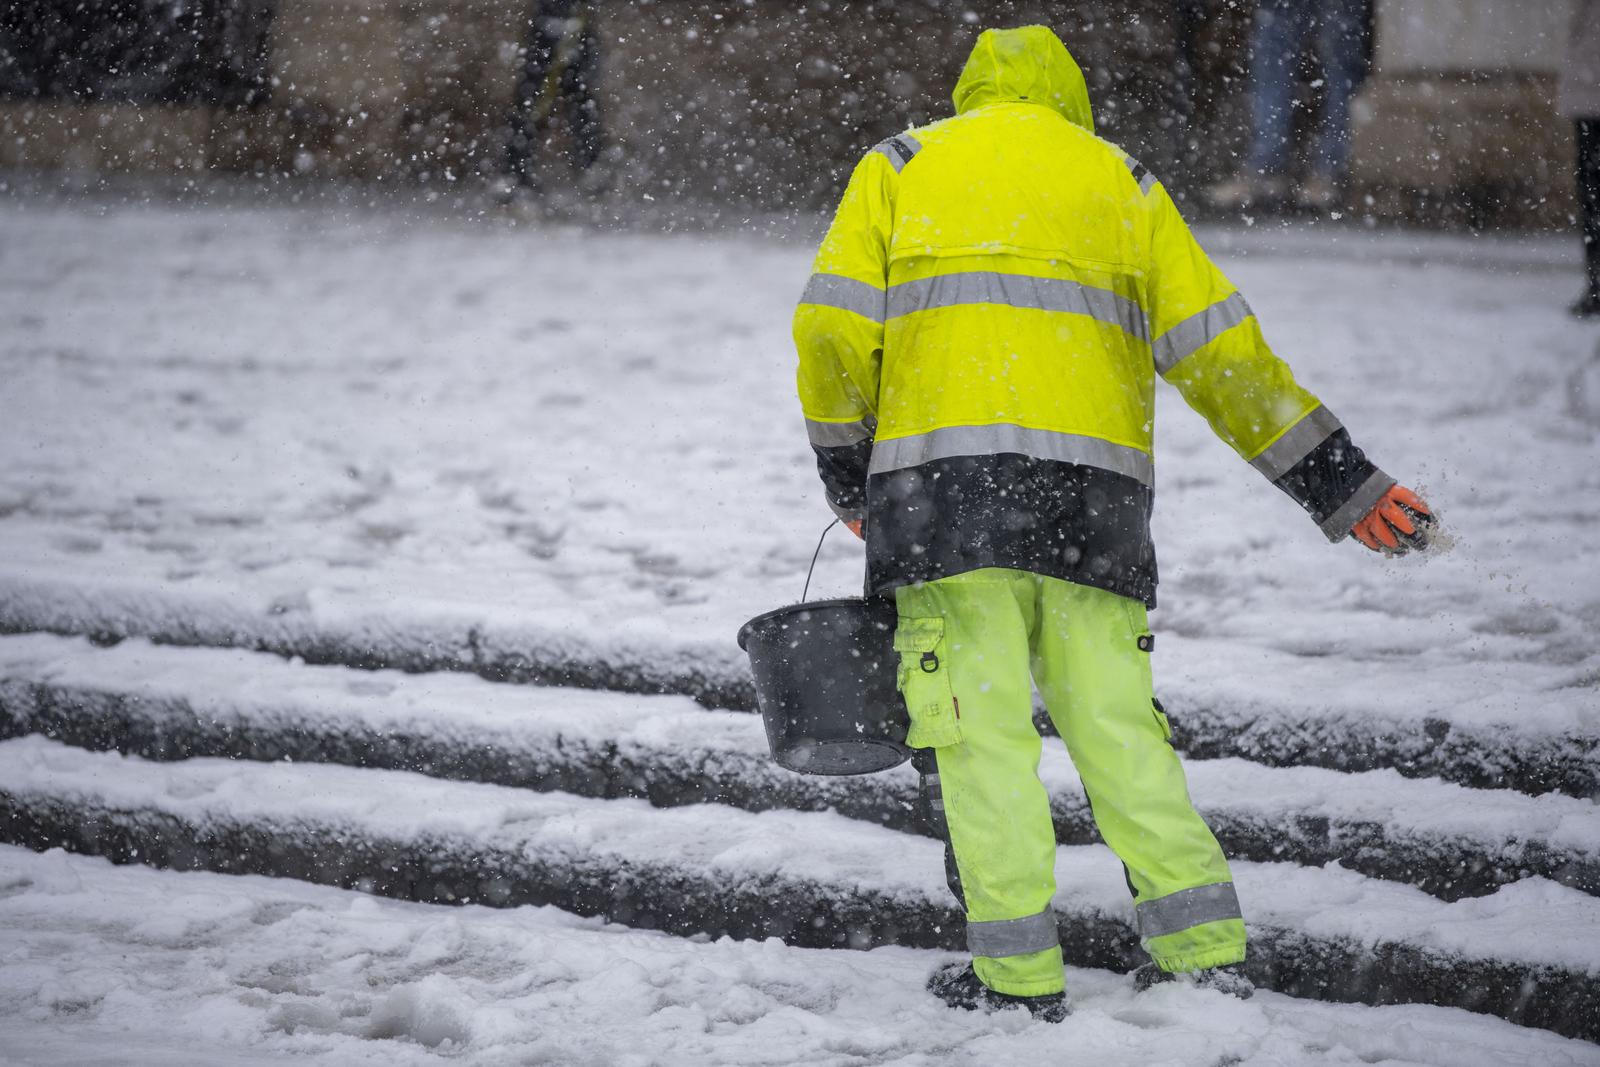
(846, 294)
(947, 442)
(898, 150)
(1199, 330)
(1352, 511)
(1013, 937)
(1296, 443)
(838, 434)
(1141, 174)
(930, 782)
(1187, 908)
(1018, 291)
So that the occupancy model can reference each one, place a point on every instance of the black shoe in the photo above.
(1227, 979)
(1587, 307)
(959, 986)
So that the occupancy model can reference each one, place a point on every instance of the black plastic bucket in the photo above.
(825, 683)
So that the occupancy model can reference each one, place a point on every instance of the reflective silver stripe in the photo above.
(1296, 443)
(902, 452)
(1018, 291)
(846, 294)
(1141, 174)
(898, 149)
(1199, 330)
(838, 434)
(1186, 908)
(1352, 511)
(930, 782)
(1013, 937)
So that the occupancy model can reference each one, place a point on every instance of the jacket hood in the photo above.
(1028, 63)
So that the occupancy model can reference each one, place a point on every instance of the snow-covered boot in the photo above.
(1229, 979)
(959, 986)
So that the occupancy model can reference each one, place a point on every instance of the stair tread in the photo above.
(1532, 923)
(1525, 702)
(264, 688)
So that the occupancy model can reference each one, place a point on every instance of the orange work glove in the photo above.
(1397, 524)
(855, 526)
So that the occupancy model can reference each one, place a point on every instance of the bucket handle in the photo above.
(805, 592)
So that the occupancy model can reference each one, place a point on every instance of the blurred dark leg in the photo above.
(1188, 19)
(930, 797)
(530, 107)
(1341, 47)
(1275, 41)
(578, 84)
(1589, 203)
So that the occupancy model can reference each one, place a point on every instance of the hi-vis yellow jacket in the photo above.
(980, 338)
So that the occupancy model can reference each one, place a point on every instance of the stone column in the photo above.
(1458, 122)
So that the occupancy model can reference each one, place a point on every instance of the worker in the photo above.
(978, 347)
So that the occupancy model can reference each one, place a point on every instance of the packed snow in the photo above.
(1534, 922)
(411, 429)
(406, 432)
(128, 966)
(339, 713)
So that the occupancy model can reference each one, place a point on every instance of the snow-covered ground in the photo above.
(126, 966)
(378, 422)
(1532, 921)
(1434, 832)
(404, 429)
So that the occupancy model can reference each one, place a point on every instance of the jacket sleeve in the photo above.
(1206, 342)
(838, 331)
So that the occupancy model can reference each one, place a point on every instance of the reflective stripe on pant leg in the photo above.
(1179, 911)
(1013, 937)
(1192, 928)
(931, 797)
(1212, 944)
(935, 794)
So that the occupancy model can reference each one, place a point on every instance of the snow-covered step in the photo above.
(171, 703)
(1256, 703)
(107, 611)
(107, 964)
(1526, 727)
(1529, 952)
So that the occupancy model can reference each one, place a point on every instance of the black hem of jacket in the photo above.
(1071, 521)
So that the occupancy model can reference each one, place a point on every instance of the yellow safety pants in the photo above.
(968, 645)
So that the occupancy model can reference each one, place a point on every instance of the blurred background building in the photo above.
(762, 104)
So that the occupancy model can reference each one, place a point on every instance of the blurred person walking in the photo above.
(1339, 31)
(560, 72)
(978, 346)
(1188, 19)
(1580, 101)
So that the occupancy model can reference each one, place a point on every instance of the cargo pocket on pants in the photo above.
(924, 681)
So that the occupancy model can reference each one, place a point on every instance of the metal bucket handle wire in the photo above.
(807, 590)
